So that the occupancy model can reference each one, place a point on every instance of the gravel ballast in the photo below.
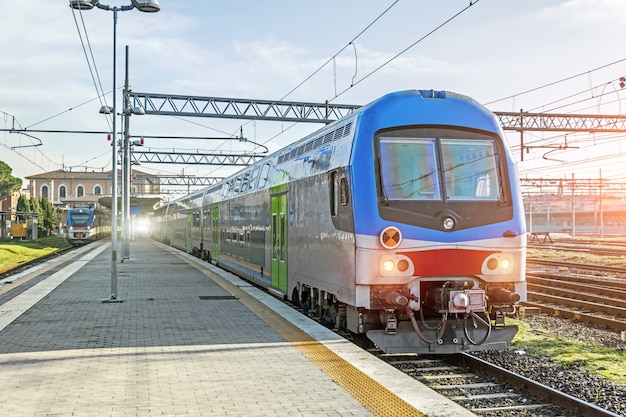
(574, 378)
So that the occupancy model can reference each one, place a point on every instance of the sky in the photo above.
(558, 56)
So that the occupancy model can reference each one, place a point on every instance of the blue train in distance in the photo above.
(86, 224)
(402, 221)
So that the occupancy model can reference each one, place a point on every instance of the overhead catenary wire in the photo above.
(95, 75)
(471, 3)
(341, 50)
(555, 82)
(354, 83)
(316, 71)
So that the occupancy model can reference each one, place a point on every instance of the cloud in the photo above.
(584, 12)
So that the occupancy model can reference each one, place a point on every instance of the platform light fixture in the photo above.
(149, 6)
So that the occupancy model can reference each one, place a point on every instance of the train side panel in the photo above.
(320, 255)
(243, 231)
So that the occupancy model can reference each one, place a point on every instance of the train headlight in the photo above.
(498, 263)
(395, 265)
(391, 237)
(388, 265)
(506, 263)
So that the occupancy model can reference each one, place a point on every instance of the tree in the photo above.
(23, 206)
(8, 183)
(35, 207)
(49, 215)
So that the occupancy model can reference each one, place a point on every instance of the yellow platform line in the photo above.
(371, 394)
(375, 397)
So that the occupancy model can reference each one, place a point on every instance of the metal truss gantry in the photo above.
(236, 108)
(189, 180)
(549, 122)
(194, 158)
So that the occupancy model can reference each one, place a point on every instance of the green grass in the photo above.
(606, 362)
(15, 252)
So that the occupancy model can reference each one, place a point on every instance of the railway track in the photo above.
(596, 247)
(487, 389)
(606, 269)
(590, 298)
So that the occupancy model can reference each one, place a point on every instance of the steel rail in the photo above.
(575, 405)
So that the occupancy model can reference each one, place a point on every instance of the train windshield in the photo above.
(438, 169)
(80, 219)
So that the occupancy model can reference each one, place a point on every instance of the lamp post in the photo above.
(144, 6)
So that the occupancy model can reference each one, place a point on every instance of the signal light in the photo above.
(141, 142)
(109, 137)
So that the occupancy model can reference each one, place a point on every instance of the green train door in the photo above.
(215, 250)
(278, 231)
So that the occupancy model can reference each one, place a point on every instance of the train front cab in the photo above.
(440, 237)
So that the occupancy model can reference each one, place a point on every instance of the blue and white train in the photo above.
(86, 224)
(402, 221)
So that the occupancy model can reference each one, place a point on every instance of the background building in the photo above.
(66, 189)
(62, 187)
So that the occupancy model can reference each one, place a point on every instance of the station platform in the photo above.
(183, 338)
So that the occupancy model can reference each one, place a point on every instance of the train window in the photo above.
(265, 169)
(254, 177)
(409, 169)
(470, 169)
(237, 185)
(274, 237)
(343, 191)
(196, 219)
(332, 183)
(207, 215)
(244, 182)
(414, 168)
(283, 225)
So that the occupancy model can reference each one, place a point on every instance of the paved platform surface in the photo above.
(180, 344)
